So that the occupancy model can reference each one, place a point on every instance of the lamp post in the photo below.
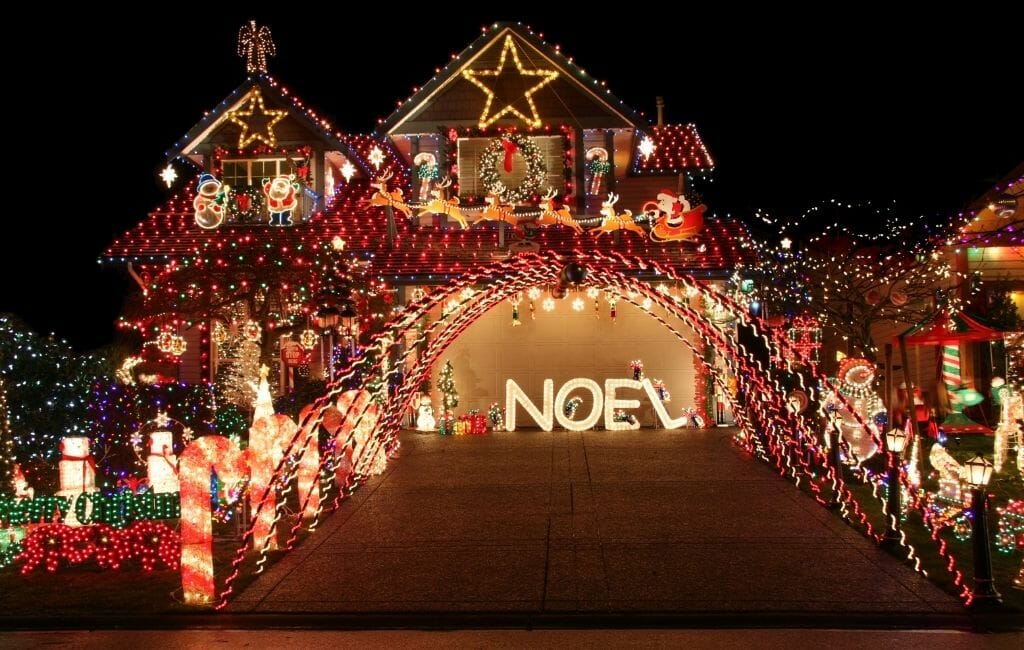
(979, 473)
(895, 441)
(326, 318)
(349, 318)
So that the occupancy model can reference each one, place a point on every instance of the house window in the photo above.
(241, 173)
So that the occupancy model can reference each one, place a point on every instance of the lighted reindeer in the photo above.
(550, 216)
(497, 211)
(440, 205)
(383, 198)
(613, 222)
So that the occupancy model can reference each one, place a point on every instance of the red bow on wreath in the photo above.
(510, 149)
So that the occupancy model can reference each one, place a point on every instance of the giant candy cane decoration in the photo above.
(203, 457)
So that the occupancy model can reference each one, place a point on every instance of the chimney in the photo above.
(660, 103)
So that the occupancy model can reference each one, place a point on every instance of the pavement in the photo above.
(645, 528)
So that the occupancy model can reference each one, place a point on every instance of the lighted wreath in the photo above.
(503, 148)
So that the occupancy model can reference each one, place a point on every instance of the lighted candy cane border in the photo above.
(530, 270)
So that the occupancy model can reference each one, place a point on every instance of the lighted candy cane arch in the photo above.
(365, 425)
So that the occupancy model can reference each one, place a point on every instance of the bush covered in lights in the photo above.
(48, 388)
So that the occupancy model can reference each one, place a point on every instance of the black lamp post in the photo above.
(979, 473)
(348, 317)
(895, 441)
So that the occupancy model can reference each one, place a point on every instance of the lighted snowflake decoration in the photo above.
(376, 158)
(593, 293)
(162, 419)
(548, 304)
(135, 439)
(578, 305)
(647, 147)
(348, 170)
(169, 175)
(533, 293)
(187, 434)
(647, 304)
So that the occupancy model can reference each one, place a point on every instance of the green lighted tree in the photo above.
(446, 384)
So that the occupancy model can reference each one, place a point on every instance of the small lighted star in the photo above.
(162, 420)
(786, 243)
(169, 175)
(348, 170)
(647, 147)
(376, 157)
(264, 118)
(338, 243)
(487, 117)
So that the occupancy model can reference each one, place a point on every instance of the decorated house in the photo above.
(511, 149)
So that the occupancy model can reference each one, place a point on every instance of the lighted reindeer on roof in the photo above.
(440, 205)
(613, 222)
(550, 216)
(498, 211)
(383, 198)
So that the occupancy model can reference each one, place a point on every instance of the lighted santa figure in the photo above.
(676, 220)
(281, 198)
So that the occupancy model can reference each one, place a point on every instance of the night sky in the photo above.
(856, 107)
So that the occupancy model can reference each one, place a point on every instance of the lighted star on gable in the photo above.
(500, 74)
(376, 157)
(257, 121)
(168, 175)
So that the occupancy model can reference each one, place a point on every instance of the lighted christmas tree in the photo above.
(446, 384)
(6, 447)
(234, 377)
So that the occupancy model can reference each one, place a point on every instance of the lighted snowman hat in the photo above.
(206, 179)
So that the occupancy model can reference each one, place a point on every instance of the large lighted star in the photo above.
(544, 77)
(257, 121)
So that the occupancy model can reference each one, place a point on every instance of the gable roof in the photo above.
(677, 148)
(276, 96)
(581, 98)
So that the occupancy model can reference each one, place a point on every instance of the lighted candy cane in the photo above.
(203, 457)
(264, 454)
(599, 166)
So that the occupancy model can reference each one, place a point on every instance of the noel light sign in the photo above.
(604, 402)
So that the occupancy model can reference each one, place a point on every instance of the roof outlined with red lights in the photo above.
(421, 254)
(678, 148)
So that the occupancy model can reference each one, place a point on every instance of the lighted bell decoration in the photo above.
(896, 440)
(178, 345)
(162, 464)
(979, 471)
(77, 474)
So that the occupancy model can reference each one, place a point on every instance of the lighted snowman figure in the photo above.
(77, 475)
(856, 384)
(425, 415)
